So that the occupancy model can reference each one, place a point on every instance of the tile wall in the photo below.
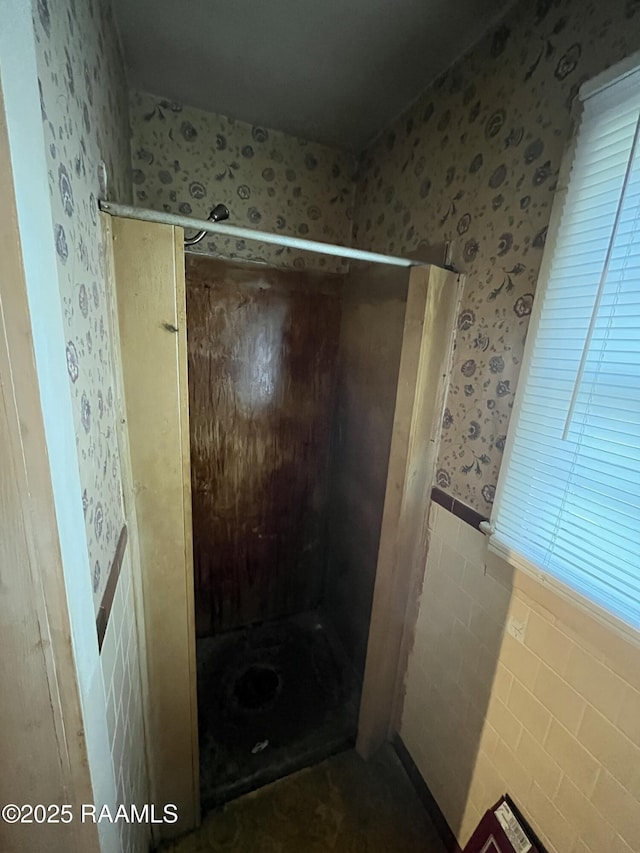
(510, 688)
(120, 672)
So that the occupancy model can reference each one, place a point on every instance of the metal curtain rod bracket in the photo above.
(129, 212)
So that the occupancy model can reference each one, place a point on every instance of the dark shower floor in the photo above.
(343, 804)
(272, 699)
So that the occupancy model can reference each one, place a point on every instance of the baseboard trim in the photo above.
(458, 508)
(104, 611)
(426, 797)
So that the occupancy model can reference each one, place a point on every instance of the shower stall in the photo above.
(292, 384)
(302, 411)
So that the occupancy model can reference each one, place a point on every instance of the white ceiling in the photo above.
(335, 71)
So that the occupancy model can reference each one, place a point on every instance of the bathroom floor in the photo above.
(343, 804)
(272, 699)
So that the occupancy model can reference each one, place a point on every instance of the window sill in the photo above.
(561, 601)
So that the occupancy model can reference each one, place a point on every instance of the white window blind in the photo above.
(569, 507)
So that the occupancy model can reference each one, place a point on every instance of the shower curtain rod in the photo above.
(129, 212)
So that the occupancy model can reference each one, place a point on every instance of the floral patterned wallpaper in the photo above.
(84, 110)
(186, 161)
(475, 161)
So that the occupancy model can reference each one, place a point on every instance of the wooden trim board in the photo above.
(427, 799)
(149, 273)
(459, 508)
(104, 611)
(425, 363)
(189, 580)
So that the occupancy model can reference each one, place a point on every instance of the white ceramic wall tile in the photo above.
(121, 677)
(515, 699)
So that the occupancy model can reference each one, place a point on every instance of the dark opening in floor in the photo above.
(272, 699)
(257, 688)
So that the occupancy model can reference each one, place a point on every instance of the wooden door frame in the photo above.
(433, 300)
(432, 304)
(33, 607)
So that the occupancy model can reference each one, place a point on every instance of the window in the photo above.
(568, 500)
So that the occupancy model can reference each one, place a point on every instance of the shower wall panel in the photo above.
(369, 357)
(262, 371)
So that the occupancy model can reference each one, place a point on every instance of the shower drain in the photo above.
(257, 688)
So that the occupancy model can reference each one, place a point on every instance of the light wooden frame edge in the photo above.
(433, 301)
(45, 572)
